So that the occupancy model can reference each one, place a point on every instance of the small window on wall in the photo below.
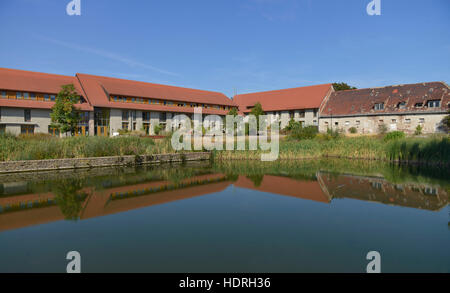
(421, 120)
(347, 123)
(3, 96)
(408, 121)
(52, 98)
(125, 115)
(46, 97)
(358, 122)
(26, 96)
(125, 125)
(19, 95)
(27, 115)
(33, 97)
(401, 105)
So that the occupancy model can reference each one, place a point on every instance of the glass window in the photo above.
(46, 97)
(3, 94)
(27, 115)
(26, 96)
(434, 104)
(408, 121)
(401, 105)
(27, 129)
(115, 98)
(379, 106)
(33, 97)
(19, 95)
(52, 98)
(125, 115)
(418, 105)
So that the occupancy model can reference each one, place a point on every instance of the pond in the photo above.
(287, 216)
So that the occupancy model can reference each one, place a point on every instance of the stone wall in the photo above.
(370, 124)
(60, 164)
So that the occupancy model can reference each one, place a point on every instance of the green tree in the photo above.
(64, 116)
(342, 86)
(70, 197)
(233, 112)
(257, 111)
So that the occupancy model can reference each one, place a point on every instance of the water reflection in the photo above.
(38, 198)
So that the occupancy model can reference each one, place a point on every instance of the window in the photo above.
(347, 123)
(407, 121)
(52, 98)
(358, 122)
(401, 105)
(418, 105)
(27, 115)
(315, 113)
(125, 115)
(124, 125)
(53, 131)
(146, 116)
(379, 106)
(434, 104)
(46, 97)
(3, 95)
(27, 129)
(302, 114)
(2, 128)
(33, 96)
(26, 96)
(19, 95)
(394, 120)
(115, 98)
(421, 120)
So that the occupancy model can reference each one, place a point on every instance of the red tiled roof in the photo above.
(308, 97)
(98, 88)
(362, 101)
(28, 81)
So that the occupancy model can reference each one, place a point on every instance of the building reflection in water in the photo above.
(21, 208)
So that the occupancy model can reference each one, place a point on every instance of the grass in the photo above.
(434, 149)
(44, 147)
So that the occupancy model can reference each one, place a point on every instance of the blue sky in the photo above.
(223, 45)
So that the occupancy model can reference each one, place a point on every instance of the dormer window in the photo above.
(434, 104)
(401, 105)
(418, 105)
(379, 106)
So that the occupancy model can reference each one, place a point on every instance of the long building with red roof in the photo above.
(301, 104)
(107, 104)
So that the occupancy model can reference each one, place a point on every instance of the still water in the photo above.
(299, 216)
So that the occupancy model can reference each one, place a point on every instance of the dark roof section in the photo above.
(308, 97)
(399, 99)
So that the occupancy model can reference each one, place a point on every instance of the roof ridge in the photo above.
(149, 83)
(395, 85)
(292, 88)
(35, 72)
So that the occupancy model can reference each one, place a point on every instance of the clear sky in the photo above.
(222, 45)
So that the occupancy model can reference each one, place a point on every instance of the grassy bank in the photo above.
(412, 149)
(435, 149)
(44, 147)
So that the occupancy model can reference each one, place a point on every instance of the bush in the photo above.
(419, 129)
(394, 135)
(300, 132)
(353, 130)
(157, 129)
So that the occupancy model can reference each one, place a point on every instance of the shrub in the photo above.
(353, 130)
(157, 129)
(300, 132)
(394, 135)
(419, 129)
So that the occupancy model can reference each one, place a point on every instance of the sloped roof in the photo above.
(98, 88)
(308, 97)
(362, 101)
(28, 81)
